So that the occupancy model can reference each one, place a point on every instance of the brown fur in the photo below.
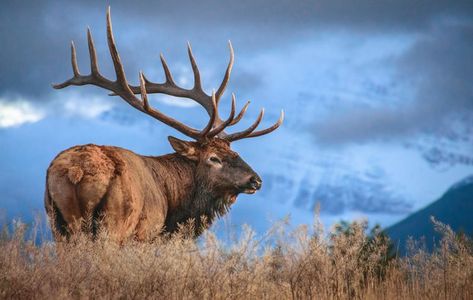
(136, 196)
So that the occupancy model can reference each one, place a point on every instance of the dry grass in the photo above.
(302, 264)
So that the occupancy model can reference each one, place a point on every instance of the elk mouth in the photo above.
(251, 187)
(249, 191)
(253, 184)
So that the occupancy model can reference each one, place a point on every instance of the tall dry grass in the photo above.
(305, 263)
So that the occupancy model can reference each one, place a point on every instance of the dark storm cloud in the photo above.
(35, 35)
(33, 47)
(287, 13)
(440, 66)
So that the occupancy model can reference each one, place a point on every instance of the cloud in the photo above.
(363, 14)
(85, 107)
(437, 70)
(18, 113)
(178, 102)
(35, 36)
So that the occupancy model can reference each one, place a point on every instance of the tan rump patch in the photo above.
(75, 174)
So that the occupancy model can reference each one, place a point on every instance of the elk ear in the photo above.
(184, 148)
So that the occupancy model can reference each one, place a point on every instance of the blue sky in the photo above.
(377, 95)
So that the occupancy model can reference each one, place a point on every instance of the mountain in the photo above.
(454, 208)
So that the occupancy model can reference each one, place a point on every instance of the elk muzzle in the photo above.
(253, 184)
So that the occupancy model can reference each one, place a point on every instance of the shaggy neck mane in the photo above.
(201, 208)
(190, 198)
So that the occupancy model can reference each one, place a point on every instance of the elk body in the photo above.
(135, 196)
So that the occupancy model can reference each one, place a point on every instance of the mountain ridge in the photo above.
(453, 208)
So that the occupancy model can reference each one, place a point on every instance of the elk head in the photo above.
(217, 166)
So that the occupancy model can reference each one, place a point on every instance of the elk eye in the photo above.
(215, 159)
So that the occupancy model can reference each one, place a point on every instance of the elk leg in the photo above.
(63, 202)
(58, 225)
(122, 209)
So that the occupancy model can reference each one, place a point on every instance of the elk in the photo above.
(141, 197)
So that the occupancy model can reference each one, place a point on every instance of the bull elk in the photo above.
(135, 196)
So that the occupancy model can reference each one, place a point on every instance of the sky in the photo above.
(378, 96)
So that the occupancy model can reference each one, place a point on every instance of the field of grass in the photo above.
(306, 263)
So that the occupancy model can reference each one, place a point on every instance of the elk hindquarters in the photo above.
(77, 181)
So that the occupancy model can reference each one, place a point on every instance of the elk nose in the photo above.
(255, 182)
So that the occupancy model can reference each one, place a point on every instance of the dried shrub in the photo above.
(305, 263)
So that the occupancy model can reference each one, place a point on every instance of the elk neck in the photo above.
(188, 195)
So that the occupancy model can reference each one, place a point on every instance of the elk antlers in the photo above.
(120, 87)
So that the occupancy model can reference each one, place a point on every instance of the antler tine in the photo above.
(144, 95)
(167, 72)
(195, 69)
(191, 132)
(75, 70)
(213, 117)
(227, 122)
(226, 78)
(242, 134)
(241, 114)
(117, 64)
(267, 130)
(75, 67)
(94, 68)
